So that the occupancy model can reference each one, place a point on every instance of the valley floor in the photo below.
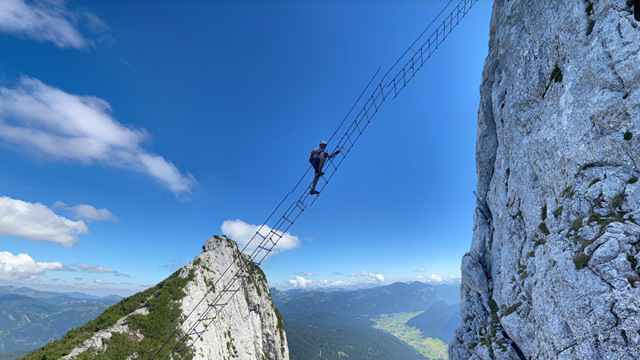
(395, 324)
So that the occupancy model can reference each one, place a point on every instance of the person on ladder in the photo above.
(317, 159)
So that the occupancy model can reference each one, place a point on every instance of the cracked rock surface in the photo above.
(553, 269)
(248, 326)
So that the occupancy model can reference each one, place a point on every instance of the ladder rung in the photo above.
(212, 305)
(206, 319)
(180, 350)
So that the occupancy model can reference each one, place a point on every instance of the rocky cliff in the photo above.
(250, 326)
(142, 326)
(553, 268)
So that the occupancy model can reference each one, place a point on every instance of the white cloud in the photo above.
(54, 124)
(306, 273)
(43, 21)
(22, 267)
(37, 222)
(241, 232)
(87, 212)
(373, 277)
(433, 278)
(301, 283)
(94, 268)
(337, 273)
(103, 282)
(420, 270)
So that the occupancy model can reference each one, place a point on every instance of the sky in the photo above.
(132, 132)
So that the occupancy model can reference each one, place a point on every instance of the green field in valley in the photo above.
(395, 324)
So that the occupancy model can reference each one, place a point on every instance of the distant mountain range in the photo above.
(394, 298)
(31, 318)
(336, 325)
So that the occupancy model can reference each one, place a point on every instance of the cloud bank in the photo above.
(241, 232)
(38, 222)
(377, 277)
(362, 278)
(301, 283)
(50, 20)
(103, 282)
(22, 267)
(305, 273)
(51, 123)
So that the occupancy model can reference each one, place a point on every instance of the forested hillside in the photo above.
(337, 325)
(334, 337)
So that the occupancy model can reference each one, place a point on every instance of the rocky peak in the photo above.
(249, 326)
(552, 272)
(142, 326)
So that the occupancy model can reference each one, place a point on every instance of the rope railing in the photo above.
(347, 134)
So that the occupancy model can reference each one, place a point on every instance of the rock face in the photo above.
(249, 326)
(553, 268)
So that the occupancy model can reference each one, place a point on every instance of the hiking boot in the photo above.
(313, 192)
(319, 173)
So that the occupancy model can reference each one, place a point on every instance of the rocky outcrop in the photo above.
(553, 268)
(249, 326)
(98, 342)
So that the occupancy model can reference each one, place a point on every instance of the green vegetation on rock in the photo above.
(157, 327)
(581, 261)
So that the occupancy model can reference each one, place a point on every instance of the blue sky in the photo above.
(130, 132)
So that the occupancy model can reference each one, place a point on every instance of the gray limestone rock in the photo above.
(552, 272)
(249, 326)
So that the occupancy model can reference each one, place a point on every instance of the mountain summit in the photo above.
(553, 268)
(144, 325)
